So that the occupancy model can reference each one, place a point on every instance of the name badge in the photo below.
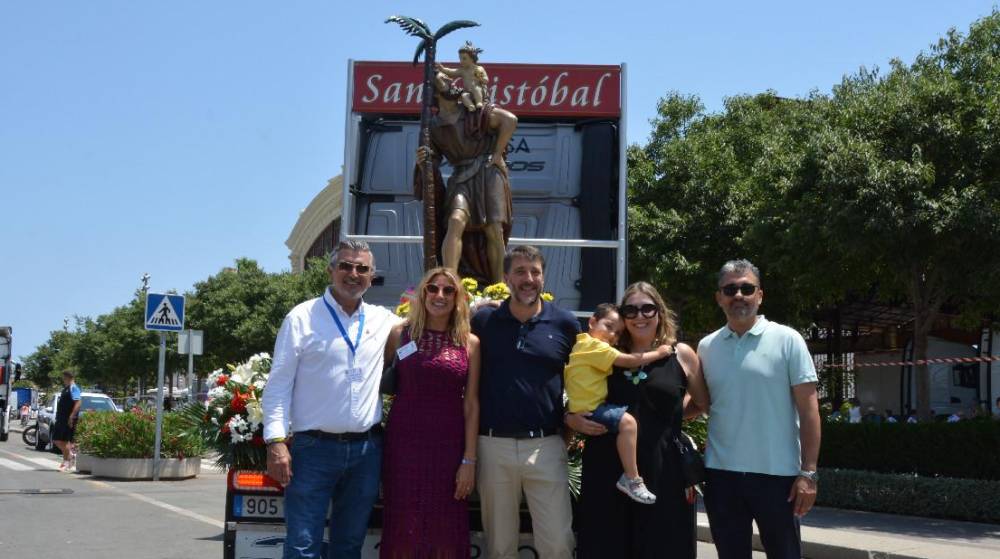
(354, 374)
(407, 350)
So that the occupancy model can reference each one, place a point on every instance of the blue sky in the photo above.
(173, 137)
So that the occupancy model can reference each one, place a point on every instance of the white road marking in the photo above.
(47, 462)
(167, 506)
(14, 465)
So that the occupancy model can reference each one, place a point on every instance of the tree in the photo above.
(907, 181)
(240, 309)
(889, 186)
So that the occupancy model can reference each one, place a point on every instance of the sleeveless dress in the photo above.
(424, 443)
(612, 525)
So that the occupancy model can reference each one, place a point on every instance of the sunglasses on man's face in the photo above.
(730, 290)
(433, 289)
(345, 266)
(647, 310)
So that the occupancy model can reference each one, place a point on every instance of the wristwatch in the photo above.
(812, 476)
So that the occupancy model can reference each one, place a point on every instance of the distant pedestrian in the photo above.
(67, 410)
(763, 426)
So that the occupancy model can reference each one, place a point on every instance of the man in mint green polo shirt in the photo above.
(763, 425)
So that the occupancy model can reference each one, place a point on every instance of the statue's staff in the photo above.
(428, 45)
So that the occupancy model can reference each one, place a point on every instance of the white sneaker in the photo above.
(64, 466)
(636, 490)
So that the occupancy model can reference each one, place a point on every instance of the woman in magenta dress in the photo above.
(429, 460)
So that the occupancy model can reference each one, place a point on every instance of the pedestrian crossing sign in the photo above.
(164, 312)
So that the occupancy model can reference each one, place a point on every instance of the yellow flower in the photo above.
(546, 296)
(471, 285)
(497, 292)
(403, 309)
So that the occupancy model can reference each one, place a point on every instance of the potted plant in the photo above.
(121, 445)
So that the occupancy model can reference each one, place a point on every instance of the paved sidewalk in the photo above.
(843, 534)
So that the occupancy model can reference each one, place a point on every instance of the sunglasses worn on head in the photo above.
(345, 266)
(648, 310)
(730, 289)
(434, 288)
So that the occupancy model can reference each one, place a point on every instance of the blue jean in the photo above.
(341, 477)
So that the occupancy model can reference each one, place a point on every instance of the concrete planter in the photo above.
(84, 463)
(142, 468)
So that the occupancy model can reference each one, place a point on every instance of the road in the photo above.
(53, 515)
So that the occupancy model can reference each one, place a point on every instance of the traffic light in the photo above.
(17, 372)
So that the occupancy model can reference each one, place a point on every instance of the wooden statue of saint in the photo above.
(472, 134)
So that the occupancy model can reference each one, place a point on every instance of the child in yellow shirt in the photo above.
(586, 382)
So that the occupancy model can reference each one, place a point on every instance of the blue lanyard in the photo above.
(343, 332)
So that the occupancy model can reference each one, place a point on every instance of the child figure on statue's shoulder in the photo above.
(474, 77)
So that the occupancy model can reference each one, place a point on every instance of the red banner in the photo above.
(540, 90)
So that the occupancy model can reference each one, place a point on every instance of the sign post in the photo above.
(191, 343)
(164, 313)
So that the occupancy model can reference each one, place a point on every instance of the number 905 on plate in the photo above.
(258, 506)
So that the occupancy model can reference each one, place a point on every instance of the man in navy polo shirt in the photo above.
(525, 345)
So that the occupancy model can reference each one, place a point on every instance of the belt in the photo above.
(342, 437)
(531, 434)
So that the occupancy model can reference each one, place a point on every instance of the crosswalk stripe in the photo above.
(53, 464)
(15, 465)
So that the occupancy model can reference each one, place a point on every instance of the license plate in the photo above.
(258, 506)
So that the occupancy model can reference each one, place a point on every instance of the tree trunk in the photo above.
(926, 301)
(921, 328)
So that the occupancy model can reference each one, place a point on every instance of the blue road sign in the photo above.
(164, 312)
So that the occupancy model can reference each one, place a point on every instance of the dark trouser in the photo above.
(734, 499)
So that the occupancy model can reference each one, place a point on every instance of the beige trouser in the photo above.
(538, 467)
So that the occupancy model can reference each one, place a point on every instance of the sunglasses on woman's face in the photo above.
(647, 310)
(433, 289)
(747, 289)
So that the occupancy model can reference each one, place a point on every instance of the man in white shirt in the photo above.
(324, 388)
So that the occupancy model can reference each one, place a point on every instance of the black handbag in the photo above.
(387, 385)
(692, 464)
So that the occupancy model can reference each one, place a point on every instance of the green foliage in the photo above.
(960, 499)
(133, 435)
(966, 449)
(240, 309)
(886, 188)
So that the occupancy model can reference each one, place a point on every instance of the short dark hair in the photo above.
(522, 251)
(604, 309)
(740, 266)
(69, 373)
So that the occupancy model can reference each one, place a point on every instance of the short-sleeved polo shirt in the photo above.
(521, 380)
(753, 424)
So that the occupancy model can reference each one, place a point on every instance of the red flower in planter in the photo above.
(225, 428)
(223, 379)
(257, 440)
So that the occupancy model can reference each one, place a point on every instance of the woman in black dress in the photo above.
(610, 524)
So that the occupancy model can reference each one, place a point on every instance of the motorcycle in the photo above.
(30, 435)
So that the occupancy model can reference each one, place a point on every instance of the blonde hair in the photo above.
(458, 322)
(666, 329)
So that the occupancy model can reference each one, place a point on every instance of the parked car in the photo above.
(90, 401)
